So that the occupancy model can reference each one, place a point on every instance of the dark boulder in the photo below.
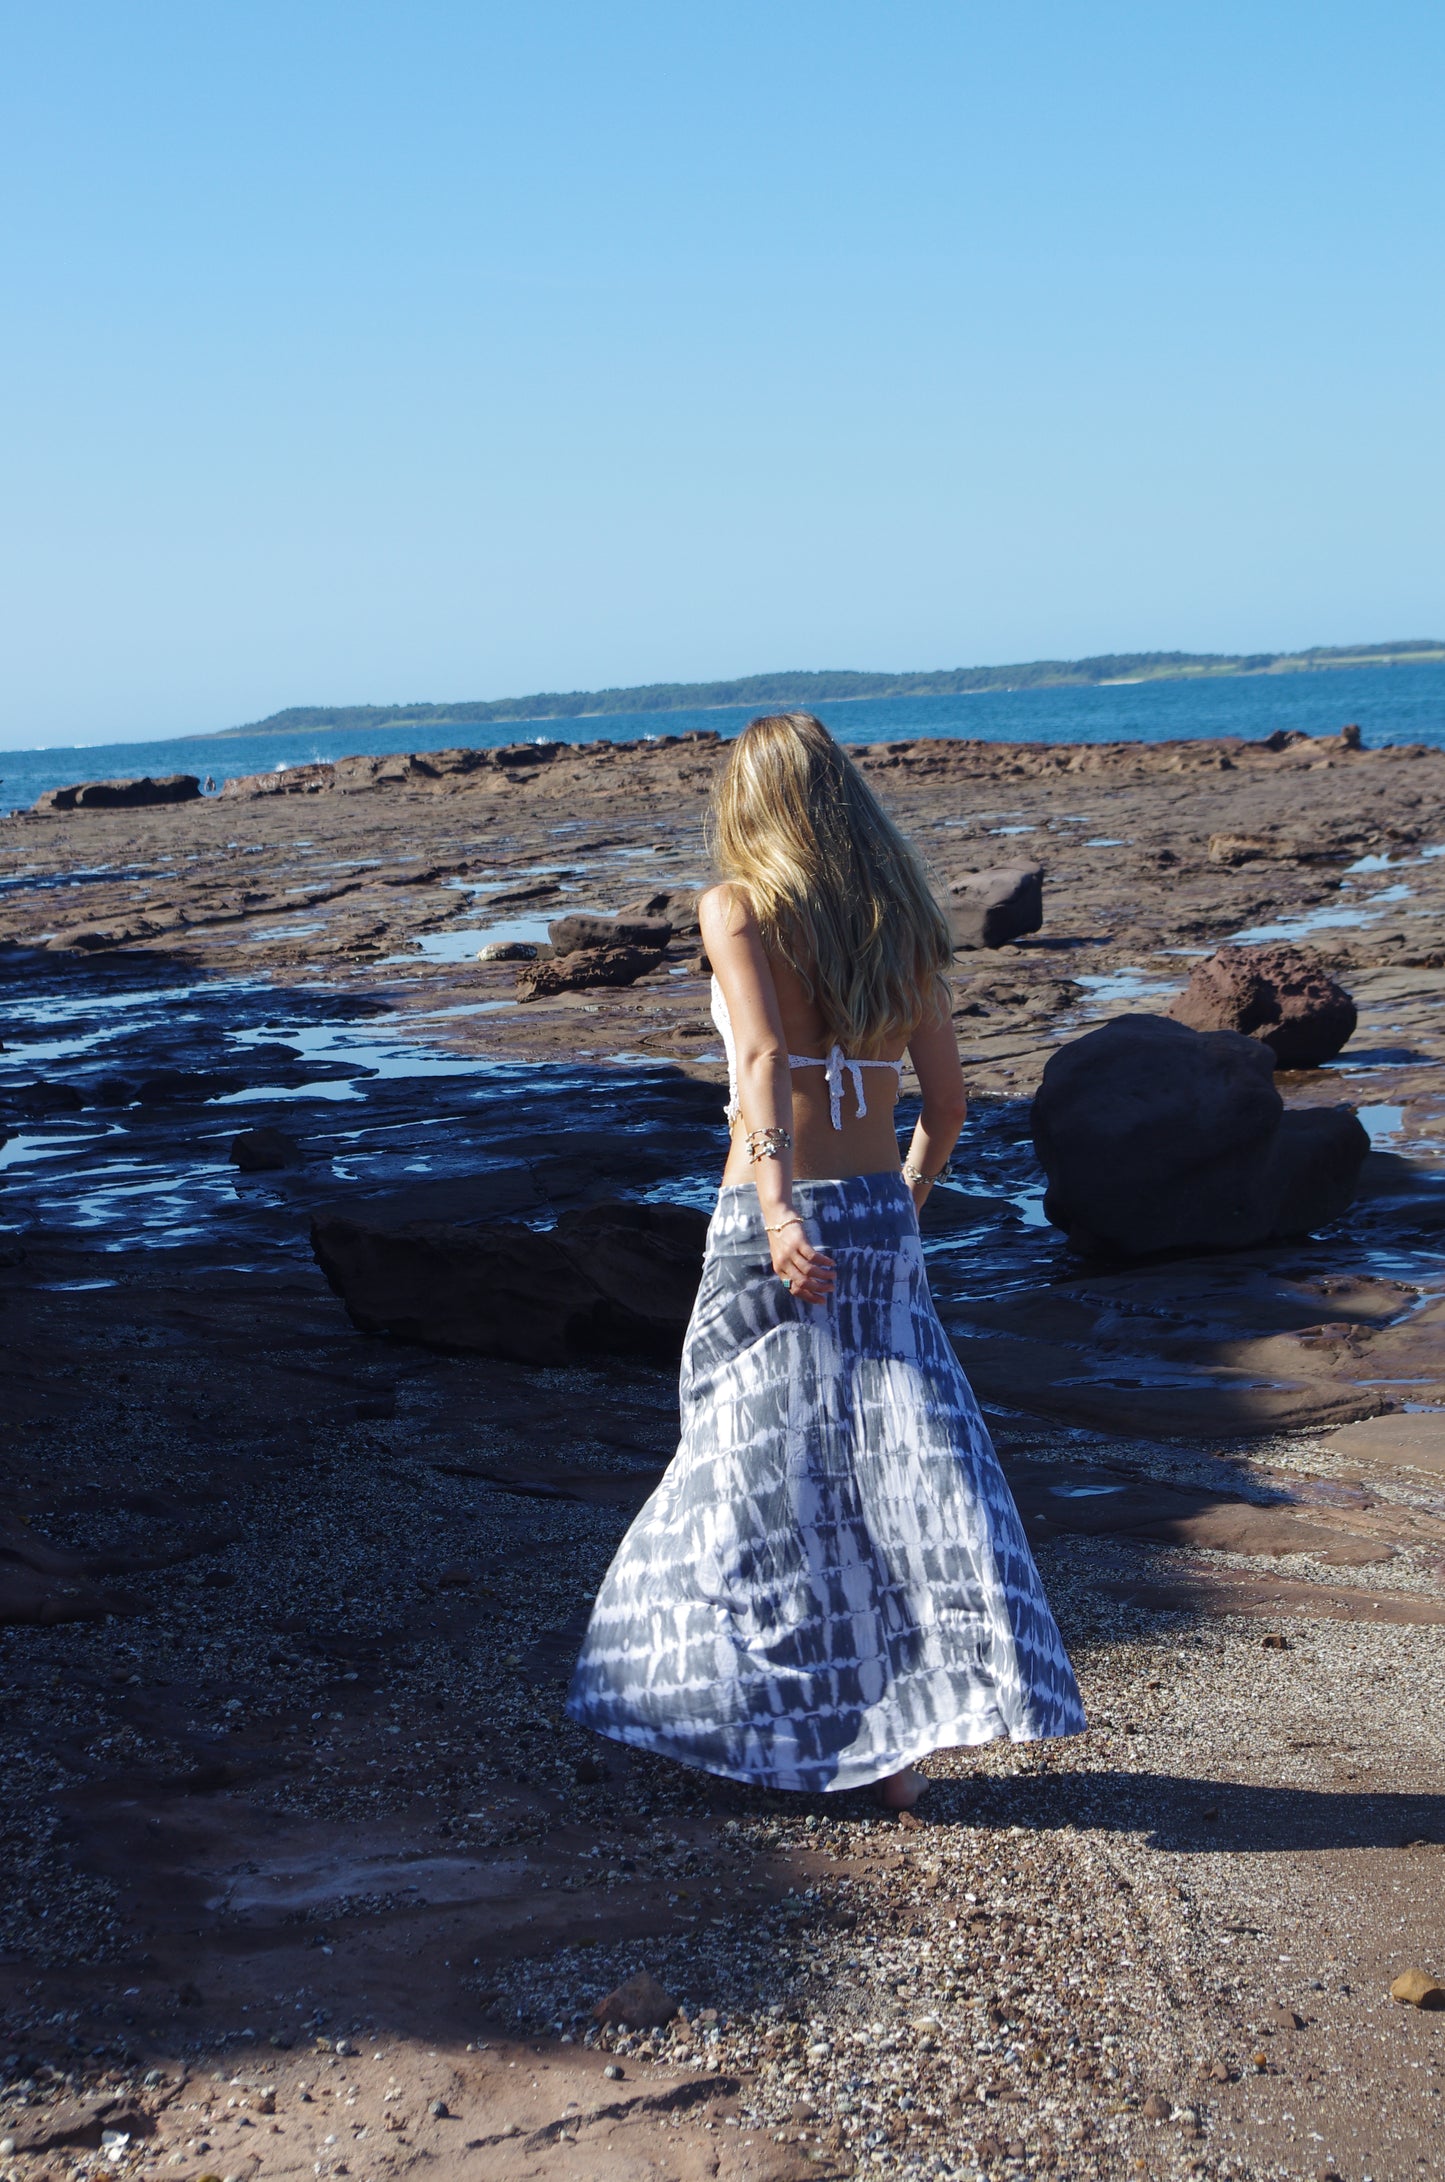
(495, 1291)
(615, 1278)
(1318, 1156)
(1156, 1137)
(265, 1151)
(120, 795)
(570, 935)
(1277, 994)
(990, 908)
(588, 966)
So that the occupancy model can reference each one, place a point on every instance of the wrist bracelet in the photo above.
(914, 1175)
(775, 1227)
(768, 1144)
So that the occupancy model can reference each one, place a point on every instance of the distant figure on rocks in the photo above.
(832, 1580)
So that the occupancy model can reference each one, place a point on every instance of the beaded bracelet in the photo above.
(768, 1144)
(914, 1175)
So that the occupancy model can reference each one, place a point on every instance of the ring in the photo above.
(786, 1282)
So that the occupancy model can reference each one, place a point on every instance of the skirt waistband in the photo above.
(858, 1210)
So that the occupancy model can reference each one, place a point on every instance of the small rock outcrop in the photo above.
(1277, 994)
(120, 795)
(616, 1277)
(586, 966)
(677, 905)
(1156, 1137)
(642, 2004)
(265, 1151)
(990, 908)
(573, 935)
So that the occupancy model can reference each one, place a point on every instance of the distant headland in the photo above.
(837, 685)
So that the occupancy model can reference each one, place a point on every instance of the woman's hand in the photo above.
(808, 1274)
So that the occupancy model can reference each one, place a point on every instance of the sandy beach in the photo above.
(309, 1875)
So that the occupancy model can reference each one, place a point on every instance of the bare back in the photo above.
(773, 1015)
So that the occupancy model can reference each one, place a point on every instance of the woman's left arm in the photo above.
(765, 1084)
(933, 1050)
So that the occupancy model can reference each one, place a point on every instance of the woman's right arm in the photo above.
(933, 1050)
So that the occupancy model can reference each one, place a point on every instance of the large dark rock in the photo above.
(1277, 994)
(615, 1277)
(569, 935)
(645, 1261)
(120, 795)
(989, 908)
(1318, 1155)
(588, 966)
(1156, 1137)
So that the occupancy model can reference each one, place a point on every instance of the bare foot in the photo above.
(901, 1790)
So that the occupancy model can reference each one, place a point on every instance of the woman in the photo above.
(831, 1581)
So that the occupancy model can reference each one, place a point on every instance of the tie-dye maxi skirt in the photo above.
(831, 1579)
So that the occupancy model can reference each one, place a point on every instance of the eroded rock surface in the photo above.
(580, 968)
(1277, 994)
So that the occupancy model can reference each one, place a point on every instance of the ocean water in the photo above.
(1395, 704)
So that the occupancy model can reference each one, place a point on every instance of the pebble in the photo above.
(1157, 2107)
(440, 2111)
(613, 2072)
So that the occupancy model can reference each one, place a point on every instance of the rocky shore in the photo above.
(309, 1873)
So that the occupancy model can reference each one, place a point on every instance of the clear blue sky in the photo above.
(442, 348)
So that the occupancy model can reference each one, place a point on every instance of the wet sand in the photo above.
(305, 1773)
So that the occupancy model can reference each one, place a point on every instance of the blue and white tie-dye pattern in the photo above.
(831, 1580)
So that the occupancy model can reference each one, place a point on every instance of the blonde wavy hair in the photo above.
(836, 889)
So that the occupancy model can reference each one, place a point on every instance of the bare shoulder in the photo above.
(724, 912)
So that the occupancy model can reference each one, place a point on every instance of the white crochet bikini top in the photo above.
(835, 1063)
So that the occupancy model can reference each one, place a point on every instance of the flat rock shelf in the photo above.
(311, 1876)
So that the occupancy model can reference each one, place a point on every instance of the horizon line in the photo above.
(824, 685)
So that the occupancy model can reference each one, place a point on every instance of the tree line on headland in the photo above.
(832, 686)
